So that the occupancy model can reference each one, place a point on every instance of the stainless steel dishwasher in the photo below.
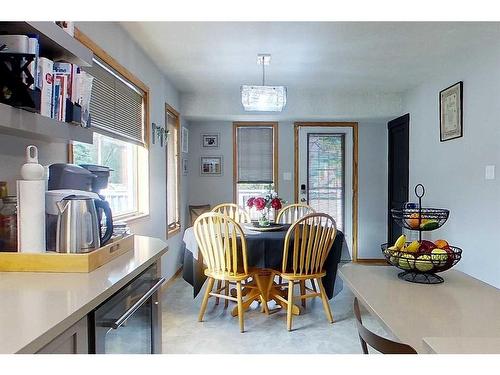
(129, 321)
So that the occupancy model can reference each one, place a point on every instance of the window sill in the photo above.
(173, 231)
(129, 218)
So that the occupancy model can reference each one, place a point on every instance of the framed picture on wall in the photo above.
(451, 112)
(184, 140)
(210, 140)
(211, 165)
(185, 167)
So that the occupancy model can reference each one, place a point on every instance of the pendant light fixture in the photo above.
(263, 98)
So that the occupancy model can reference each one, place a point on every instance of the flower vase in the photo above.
(264, 219)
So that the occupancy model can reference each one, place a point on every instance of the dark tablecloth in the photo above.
(265, 250)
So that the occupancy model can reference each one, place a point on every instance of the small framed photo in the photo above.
(210, 140)
(184, 140)
(211, 165)
(184, 167)
(451, 112)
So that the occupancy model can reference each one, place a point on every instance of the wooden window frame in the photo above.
(120, 69)
(172, 230)
(236, 125)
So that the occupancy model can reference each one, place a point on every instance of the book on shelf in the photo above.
(45, 81)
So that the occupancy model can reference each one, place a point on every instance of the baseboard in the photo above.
(372, 262)
(170, 281)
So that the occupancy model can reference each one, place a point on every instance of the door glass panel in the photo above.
(325, 175)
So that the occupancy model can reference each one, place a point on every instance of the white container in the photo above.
(31, 170)
(31, 216)
(31, 205)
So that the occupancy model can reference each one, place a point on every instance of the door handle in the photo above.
(127, 314)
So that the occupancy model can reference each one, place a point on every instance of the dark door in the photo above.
(398, 145)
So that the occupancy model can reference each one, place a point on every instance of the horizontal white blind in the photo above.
(255, 154)
(116, 106)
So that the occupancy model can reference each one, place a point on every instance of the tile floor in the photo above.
(219, 332)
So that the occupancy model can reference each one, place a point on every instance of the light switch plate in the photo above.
(489, 172)
(287, 176)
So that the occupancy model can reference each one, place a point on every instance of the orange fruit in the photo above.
(413, 222)
(441, 244)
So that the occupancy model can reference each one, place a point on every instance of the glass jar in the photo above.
(8, 224)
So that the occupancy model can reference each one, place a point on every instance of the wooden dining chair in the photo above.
(235, 212)
(289, 215)
(293, 212)
(223, 246)
(381, 344)
(312, 237)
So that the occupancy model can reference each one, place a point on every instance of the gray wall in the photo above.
(372, 175)
(453, 172)
(114, 40)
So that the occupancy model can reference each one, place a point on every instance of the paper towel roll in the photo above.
(31, 216)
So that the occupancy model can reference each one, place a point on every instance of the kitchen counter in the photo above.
(462, 345)
(462, 309)
(36, 307)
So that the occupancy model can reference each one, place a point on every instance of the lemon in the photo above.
(439, 257)
(400, 242)
(423, 263)
(406, 261)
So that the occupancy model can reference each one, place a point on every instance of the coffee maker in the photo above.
(69, 179)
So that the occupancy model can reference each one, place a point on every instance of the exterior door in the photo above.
(325, 168)
(398, 171)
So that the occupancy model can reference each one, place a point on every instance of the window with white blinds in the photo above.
(255, 145)
(116, 105)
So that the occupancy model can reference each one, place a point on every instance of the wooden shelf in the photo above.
(55, 43)
(21, 123)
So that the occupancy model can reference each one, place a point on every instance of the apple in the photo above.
(426, 246)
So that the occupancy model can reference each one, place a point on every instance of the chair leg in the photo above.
(313, 285)
(240, 306)
(289, 306)
(326, 305)
(219, 284)
(303, 292)
(205, 298)
(226, 292)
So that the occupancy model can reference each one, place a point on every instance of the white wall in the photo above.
(301, 104)
(453, 172)
(372, 175)
(114, 40)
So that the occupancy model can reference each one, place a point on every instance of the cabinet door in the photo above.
(72, 341)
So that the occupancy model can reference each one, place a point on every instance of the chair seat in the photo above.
(292, 277)
(227, 276)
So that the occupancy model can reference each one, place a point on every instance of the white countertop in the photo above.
(36, 307)
(460, 308)
(462, 345)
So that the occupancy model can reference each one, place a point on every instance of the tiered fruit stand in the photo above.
(421, 268)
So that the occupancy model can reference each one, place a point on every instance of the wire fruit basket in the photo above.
(421, 264)
(421, 267)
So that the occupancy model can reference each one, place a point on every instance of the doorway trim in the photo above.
(354, 126)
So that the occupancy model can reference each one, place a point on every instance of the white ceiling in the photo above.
(351, 56)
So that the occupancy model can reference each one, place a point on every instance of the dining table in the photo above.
(264, 253)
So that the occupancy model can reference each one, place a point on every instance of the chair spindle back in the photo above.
(313, 237)
(222, 243)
